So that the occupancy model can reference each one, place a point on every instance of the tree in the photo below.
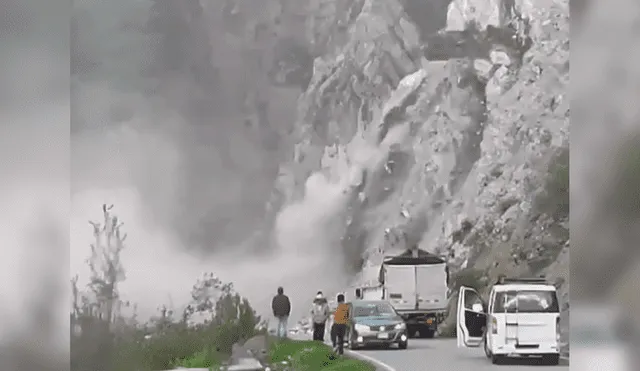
(94, 312)
(102, 338)
(105, 265)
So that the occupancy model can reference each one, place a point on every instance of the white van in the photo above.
(521, 320)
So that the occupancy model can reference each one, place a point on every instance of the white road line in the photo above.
(362, 357)
(379, 364)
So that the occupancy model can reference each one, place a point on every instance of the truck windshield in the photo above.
(373, 309)
(526, 302)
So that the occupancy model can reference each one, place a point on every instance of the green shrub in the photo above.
(162, 343)
(201, 359)
(313, 356)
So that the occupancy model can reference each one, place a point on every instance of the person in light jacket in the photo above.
(319, 315)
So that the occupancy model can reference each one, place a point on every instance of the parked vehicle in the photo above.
(521, 320)
(416, 284)
(375, 322)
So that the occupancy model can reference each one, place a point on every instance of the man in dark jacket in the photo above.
(281, 307)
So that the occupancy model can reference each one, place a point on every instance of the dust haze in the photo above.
(191, 188)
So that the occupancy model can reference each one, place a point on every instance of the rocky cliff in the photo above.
(459, 137)
(445, 123)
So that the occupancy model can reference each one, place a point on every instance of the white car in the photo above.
(596, 342)
(522, 319)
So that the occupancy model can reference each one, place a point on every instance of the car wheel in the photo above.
(551, 359)
(403, 345)
(497, 359)
(351, 345)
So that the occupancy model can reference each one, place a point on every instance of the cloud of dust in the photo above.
(309, 231)
(179, 183)
(167, 175)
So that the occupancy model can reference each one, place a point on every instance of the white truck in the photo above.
(416, 283)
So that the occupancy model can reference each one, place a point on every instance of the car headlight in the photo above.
(361, 328)
(400, 326)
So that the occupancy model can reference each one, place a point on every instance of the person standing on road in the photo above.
(339, 327)
(281, 307)
(319, 315)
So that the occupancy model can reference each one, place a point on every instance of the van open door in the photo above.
(472, 318)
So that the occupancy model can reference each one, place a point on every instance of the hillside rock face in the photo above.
(467, 123)
(465, 129)
(447, 124)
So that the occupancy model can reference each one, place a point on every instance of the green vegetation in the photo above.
(313, 356)
(103, 337)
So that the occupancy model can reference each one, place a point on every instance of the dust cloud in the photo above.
(191, 189)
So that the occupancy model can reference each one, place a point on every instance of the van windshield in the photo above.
(526, 302)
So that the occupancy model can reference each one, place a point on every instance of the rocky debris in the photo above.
(246, 364)
(255, 348)
(479, 110)
(445, 135)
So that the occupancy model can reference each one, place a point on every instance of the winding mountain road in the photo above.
(443, 355)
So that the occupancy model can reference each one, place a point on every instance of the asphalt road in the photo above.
(443, 355)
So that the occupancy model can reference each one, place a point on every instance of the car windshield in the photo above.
(528, 301)
(373, 309)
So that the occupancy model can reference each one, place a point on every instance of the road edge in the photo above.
(381, 366)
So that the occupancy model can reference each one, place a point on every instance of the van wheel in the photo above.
(551, 359)
(487, 351)
(497, 359)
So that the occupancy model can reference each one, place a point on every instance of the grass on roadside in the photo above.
(313, 356)
(202, 359)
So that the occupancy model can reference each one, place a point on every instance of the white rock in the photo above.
(500, 57)
(483, 68)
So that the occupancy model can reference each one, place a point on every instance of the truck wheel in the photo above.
(426, 333)
(411, 332)
(497, 359)
(551, 359)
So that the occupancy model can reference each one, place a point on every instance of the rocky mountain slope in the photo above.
(445, 124)
(468, 128)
